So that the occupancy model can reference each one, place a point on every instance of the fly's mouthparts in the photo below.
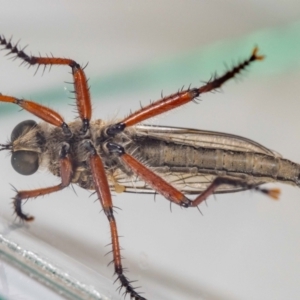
(5, 147)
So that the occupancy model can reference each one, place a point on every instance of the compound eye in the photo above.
(22, 128)
(25, 162)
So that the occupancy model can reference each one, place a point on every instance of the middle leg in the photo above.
(104, 195)
(182, 97)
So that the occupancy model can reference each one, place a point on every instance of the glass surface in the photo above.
(30, 274)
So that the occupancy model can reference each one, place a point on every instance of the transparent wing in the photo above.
(186, 182)
(203, 138)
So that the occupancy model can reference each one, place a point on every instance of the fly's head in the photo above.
(25, 146)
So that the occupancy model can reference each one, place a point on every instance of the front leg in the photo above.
(66, 173)
(81, 89)
(47, 114)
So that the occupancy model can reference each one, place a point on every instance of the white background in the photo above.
(246, 246)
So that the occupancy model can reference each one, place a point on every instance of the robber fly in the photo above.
(128, 157)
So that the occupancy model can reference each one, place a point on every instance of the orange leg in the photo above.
(97, 168)
(66, 173)
(83, 100)
(172, 194)
(40, 111)
(180, 98)
(104, 195)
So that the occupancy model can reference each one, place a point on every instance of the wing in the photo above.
(188, 182)
(203, 138)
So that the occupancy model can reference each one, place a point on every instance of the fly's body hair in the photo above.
(46, 140)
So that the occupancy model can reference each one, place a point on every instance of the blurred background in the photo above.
(245, 246)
